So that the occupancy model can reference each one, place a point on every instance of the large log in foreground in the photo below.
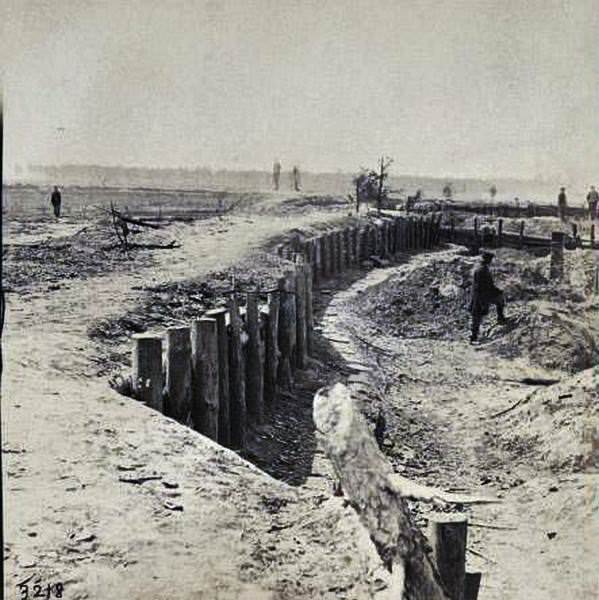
(367, 481)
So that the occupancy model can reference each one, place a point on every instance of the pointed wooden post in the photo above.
(147, 376)
(224, 402)
(254, 382)
(204, 347)
(178, 374)
(238, 408)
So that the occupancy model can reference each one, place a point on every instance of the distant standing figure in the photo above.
(56, 200)
(593, 202)
(296, 179)
(562, 202)
(276, 174)
(484, 293)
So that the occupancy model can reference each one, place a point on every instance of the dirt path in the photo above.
(117, 501)
(439, 405)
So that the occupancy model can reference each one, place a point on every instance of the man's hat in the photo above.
(487, 256)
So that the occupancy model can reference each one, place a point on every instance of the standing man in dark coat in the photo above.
(56, 200)
(562, 202)
(484, 293)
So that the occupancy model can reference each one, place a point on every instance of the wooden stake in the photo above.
(147, 370)
(309, 313)
(448, 536)
(500, 232)
(204, 407)
(472, 586)
(238, 408)
(522, 224)
(592, 235)
(271, 359)
(224, 400)
(556, 270)
(301, 346)
(287, 330)
(178, 374)
(254, 394)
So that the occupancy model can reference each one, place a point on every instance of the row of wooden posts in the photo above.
(218, 374)
(497, 238)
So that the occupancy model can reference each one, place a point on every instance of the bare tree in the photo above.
(371, 185)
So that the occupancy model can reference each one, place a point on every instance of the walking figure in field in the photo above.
(484, 293)
(296, 179)
(593, 202)
(56, 200)
(276, 174)
(562, 202)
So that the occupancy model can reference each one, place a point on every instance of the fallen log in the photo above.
(367, 481)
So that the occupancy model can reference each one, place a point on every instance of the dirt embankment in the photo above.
(485, 418)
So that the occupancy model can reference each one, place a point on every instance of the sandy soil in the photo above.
(115, 500)
(441, 397)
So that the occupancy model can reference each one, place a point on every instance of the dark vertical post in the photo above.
(556, 270)
(238, 408)
(178, 374)
(204, 348)
(476, 231)
(272, 348)
(224, 401)
(339, 248)
(522, 234)
(301, 345)
(592, 235)
(500, 232)
(287, 330)
(448, 537)
(254, 390)
(309, 313)
(472, 585)
(147, 370)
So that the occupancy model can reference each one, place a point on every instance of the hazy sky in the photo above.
(446, 87)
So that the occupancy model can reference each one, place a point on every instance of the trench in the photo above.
(439, 396)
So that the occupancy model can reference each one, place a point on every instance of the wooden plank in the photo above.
(271, 360)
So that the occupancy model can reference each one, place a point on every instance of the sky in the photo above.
(470, 88)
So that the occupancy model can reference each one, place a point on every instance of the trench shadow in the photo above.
(285, 445)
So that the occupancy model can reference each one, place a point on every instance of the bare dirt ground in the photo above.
(116, 500)
(444, 403)
(113, 499)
